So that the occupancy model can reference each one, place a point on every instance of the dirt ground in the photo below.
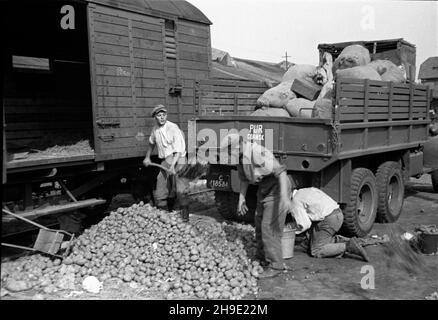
(327, 279)
(333, 278)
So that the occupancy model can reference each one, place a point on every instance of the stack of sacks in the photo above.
(301, 107)
(354, 62)
(282, 98)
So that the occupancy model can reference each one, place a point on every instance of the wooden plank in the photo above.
(12, 110)
(146, 34)
(232, 89)
(226, 95)
(194, 40)
(100, 17)
(52, 209)
(232, 83)
(380, 96)
(109, 28)
(111, 39)
(140, 25)
(371, 110)
(111, 49)
(194, 30)
(113, 91)
(357, 102)
(47, 125)
(150, 93)
(381, 90)
(147, 44)
(149, 64)
(111, 60)
(379, 116)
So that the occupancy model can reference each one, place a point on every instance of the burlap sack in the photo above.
(304, 72)
(394, 74)
(360, 72)
(270, 112)
(296, 105)
(381, 66)
(323, 109)
(352, 56)
(276, 97)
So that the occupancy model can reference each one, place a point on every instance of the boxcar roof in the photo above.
(163, 8)
(179, 8)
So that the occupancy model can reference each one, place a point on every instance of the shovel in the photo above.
(48, 240)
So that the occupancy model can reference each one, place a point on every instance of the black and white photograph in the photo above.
(213, 156)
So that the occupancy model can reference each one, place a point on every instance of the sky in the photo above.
(265, 29)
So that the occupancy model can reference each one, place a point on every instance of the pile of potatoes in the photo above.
(157, 251)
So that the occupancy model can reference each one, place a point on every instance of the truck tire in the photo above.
(434, 175)
(391, 190)
(360, 212)
(227, 201)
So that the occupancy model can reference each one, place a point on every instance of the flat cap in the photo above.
(157, 109)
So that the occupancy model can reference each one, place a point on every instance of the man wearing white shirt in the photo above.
(315, 210)
(171, 146)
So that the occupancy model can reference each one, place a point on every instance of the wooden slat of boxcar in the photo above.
(192, 29)
(50, 110)
(112, 29)
(358, 102)
(111, 39)
(47, 125)
(146, 34)
(184, 38)
(379, 116)
(140, 25)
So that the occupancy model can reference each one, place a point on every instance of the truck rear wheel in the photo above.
(227, 201)
(391, 190)
(434, 175)
(360, 212)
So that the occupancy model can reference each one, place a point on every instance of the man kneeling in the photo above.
(316, 211)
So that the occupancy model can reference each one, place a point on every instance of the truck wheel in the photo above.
(360, 212)
(227, 204)
(434, 175)
(391, 190)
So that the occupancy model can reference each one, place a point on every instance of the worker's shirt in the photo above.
(257, 163)
(311, 204)
(169, 139)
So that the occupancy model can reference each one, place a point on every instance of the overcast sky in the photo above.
(266, 29)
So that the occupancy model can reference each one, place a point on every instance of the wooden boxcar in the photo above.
(86, 74)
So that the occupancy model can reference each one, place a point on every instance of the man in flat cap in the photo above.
(257, 165)
(169, 140)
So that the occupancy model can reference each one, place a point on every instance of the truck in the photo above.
(362, 156)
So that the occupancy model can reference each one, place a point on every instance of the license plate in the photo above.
(219, 181)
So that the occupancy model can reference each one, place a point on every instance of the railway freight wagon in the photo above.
(80, 80)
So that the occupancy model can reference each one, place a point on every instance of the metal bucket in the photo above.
(428, 243)
(288, 242)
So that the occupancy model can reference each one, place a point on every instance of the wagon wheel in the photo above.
(391, 191)
(360, 212)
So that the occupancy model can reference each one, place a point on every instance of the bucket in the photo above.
(288, 242)
(428, 243)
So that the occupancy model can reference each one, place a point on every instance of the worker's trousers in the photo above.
(170, 186)
(322, 236)
(269, 222)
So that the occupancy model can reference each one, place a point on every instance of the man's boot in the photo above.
(269, 273)
(355, 248)
(185, 214)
